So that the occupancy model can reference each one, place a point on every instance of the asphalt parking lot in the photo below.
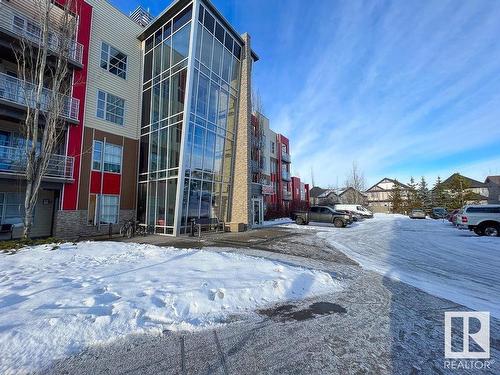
(376, 325)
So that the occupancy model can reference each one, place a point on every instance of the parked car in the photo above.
(417, 214)
(439, 213)
(484, 220)
(353, 217)
(355, 209)
(322, 214)
(452, 215)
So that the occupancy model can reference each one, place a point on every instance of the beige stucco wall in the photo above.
(111, 26)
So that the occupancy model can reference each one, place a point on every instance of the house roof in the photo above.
(493, 179)
(471, 182)
(386, 179)
(316, 191)
(326, 193)
(345, 190)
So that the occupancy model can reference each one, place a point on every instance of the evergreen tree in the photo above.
(439, 194)
(396, 198)
(412, 200)
(459, 193)
(424, 195)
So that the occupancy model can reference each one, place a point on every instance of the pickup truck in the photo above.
(484, 220)
(322, 214)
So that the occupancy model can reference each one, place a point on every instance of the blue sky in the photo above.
(404, 88)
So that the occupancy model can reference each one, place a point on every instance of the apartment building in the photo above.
(107, 185)
(300, 194)
(59, 189)
(195, 154)
(159, 124)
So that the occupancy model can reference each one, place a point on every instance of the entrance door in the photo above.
(257, 212)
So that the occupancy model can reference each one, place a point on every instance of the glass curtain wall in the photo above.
(210, 134)
(164, 86)
(210, 140)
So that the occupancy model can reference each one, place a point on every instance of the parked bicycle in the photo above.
(132, 228)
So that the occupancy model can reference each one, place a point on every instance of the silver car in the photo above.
(417, 214)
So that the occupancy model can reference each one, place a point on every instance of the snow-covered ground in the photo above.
(280, 221)
(55, 302)
(429, 254)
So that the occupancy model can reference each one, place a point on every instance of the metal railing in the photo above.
(285, 156)
(19, 24)
(21, 92)
(13, 160)
(287, 195)
(285, 176)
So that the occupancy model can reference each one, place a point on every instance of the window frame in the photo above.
(108, 63)
(102, 162)
(105, 110)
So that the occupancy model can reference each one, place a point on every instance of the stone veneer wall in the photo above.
(241, 202)
(72, 225)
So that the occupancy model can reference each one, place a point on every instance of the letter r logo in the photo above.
(481, 337)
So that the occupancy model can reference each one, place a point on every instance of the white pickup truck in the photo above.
(484, 220)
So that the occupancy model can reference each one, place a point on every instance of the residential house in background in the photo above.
(493, 184)
(352, 196)
(479, 189)
(379, 195)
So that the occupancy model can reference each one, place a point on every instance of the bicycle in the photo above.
(128, 229)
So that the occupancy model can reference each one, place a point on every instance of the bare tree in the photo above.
(356, 179)
(42, 62)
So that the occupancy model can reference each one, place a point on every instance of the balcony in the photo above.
(285, 176)
(13, 161)
(20, 25)
(21, 92)
(285, 157)
(287, 195)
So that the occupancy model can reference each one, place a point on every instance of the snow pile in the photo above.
(55, 302)
(280, 221)
(429, 254)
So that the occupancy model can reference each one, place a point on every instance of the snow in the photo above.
(54, 302)
(280, 221)
(430, 254)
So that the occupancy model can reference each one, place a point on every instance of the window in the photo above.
(109, 209)
(97, 156)
(113, 60)
(111, 158)
(12, 208)
(485, 210)
(110, 107)
(103, 209)
(272, 147)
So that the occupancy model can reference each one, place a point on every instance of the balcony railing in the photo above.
(285, 176)
(285, 157)
(287, 195)
(21, 92)
(21, 25)
(13, 160)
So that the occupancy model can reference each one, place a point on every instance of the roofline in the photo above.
(390, 179)
(154, 23)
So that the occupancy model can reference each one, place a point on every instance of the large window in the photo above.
(103, 209)
(110, 205)
(113, 60)
(107, 160)
(110, 107)
(12, 208)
